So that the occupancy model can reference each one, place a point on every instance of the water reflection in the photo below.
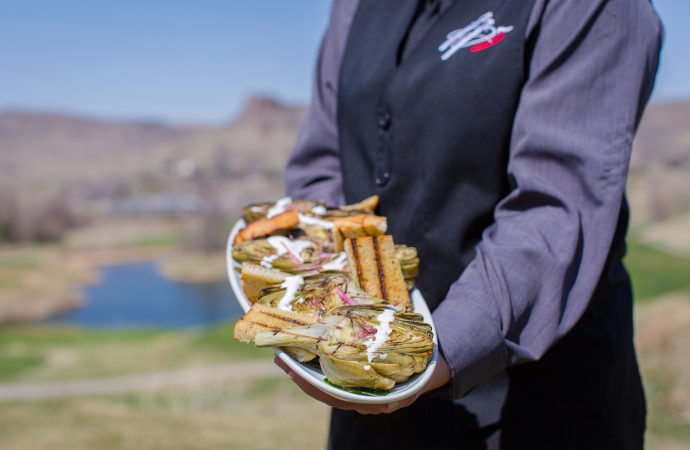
(136, 295)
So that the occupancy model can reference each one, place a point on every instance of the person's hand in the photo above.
(440, 377)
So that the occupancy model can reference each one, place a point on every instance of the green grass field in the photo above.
(265, 412)
(655, 272)
(58, 353)
(268, 414)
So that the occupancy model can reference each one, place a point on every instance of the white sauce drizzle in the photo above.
(281, 244)
(336, 264)
(319, 210)
(279, 208)
(382, 333)
(367, 367)
(291, 286)
(306, 220)
(267, 261)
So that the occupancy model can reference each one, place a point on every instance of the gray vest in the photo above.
(431, 137)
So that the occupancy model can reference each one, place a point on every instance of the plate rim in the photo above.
(400, 391)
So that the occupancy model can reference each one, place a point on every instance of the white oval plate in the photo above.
(313, 375)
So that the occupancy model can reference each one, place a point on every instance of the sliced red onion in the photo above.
(292, 254)
(344, 296)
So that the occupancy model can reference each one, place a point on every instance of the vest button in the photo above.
(382, 179)
(384, 120)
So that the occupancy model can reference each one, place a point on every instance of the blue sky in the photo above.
(195, 61)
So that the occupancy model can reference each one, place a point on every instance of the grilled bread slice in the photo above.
(255, 278)
(264, 227)
(262, 317)
(368, 205)
(357, 226)
(374, 264)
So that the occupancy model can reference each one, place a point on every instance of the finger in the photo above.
(395, 406)
(312, 391)
(323, 397)
(382, 409)
(386, 408)
(371, 409)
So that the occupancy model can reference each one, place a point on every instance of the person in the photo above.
(497, 135)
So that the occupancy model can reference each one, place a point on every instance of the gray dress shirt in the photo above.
(591, 69)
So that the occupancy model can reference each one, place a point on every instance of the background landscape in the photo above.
(115, 314)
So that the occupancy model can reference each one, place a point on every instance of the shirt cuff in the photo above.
(472, 344)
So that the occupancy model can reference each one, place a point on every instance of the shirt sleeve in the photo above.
(591, 70)
(313, 168)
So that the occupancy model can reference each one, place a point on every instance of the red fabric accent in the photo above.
(490, 43)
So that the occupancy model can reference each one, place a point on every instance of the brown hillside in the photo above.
(660, 166)
(94, 159)
(244, 159)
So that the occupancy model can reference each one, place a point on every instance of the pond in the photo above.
(137, 295)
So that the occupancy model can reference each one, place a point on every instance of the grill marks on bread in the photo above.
(376, 268)
(262, 317)
(380, 269)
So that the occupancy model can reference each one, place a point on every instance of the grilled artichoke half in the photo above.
(317, 294)
(362, 346)
(291, 256)
(409, 263)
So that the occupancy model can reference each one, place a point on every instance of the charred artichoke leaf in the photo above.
(394, 371)
(318, 233)
(405, 253)
(300, 354)
(256, 211)
(409, 263)
(347, 373)
(306, 337)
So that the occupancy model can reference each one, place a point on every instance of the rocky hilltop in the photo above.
(242, 160)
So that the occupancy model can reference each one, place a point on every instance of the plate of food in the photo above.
(334, 296)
